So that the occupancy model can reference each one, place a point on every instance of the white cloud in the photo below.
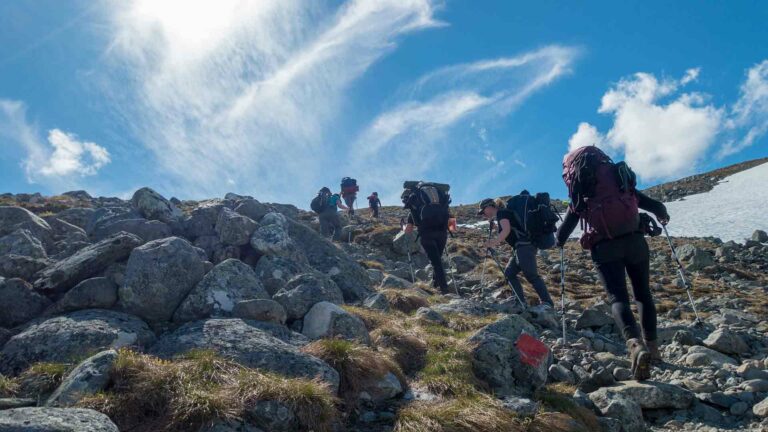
(417, 133)
(61, 157)
(659, 138)
(586, 135)
(248, 91)
(750, 111)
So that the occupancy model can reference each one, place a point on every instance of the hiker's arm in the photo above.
(656, 207)
(567, 227)
(506, 229)
(341, 205)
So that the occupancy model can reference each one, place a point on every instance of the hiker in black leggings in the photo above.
(433, 241)
(615, 256)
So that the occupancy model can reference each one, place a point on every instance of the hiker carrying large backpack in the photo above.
(374, 203)
(605, 199)
(524, 226)
(349, 189)
(429, 211)
(325, 205)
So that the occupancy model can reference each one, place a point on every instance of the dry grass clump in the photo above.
(468, 414)
(41, 378)
(369, 264)
(408, 350)
(558, 422)
(356, 364)
(8, 386)
(149, 394)
(372, 318)
(469, 323)
(448, 370)
(558, 397)
(404, 302)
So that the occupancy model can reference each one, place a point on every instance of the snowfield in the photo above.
(732, 210)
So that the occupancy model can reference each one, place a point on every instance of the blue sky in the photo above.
(277, 98)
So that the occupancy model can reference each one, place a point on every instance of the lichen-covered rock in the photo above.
(94, 293)
(224, 286)
(303, 291)
(22, 242)
(247, 344)
(86, 263)
(327, 320)
(153, 206)
(18, 266)
(55, 420)
(260, 310)
(275, 271)
(252, 209)
(159, 276)
(234, 229)
(20, 303)
(14, 218)
(146, 230)
(648, 395)
(89, 377)
(67, 337)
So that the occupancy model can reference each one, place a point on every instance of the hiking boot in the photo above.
(640, 358)
(653, 348)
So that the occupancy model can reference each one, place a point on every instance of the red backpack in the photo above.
(602, 194)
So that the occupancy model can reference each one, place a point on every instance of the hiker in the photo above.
(374, 203)
(513, 233)
(604, 197)
(428, 206)
(349, 189)
(325, 205)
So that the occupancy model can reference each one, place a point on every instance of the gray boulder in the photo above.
(504, 356)
(89, 377)
(77, 216)
(686, 252)
(592, 318)
(761, 408)
(17, 266)
(273, 416)
(14, 218)
(647, 394)
(226, 284)
(462, 306)
(699, 260)
(20, 302)
(391, 281)
(260, 310)
(202, 220)
(153, 206)
(463, 264)
(760, 236)
(144, 229)
(405, 243)
(703, 356)
(66, 337)
(327, 320)
(55, 420)
(86, 263)
(94, 293)
(382, 389)
(275, 271)
(325, 257)
(430, 315)
(65, 231)
(377, 302)
(726, 341)
(303, 291)
(234, 229)
(159, 276)
(108, 215)
(271, 239)
(627, 411)
(252, 208)
(22, 242)
(247, 344)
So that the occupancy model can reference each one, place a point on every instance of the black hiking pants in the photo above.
(615, 260)
(524, 260)
(375, 211)
(433, 243)
(330, 224)
(349, 200)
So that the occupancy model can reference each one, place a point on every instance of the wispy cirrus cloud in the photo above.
(242, 94)
(750, 111)
(433, 114)
(60, 161)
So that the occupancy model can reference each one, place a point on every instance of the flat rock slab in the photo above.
(54, 420)
(647, 394)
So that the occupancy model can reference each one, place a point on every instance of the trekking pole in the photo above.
(453, 271)
(562, 289)
(682, 275)
(482, 276)
(496, 259)
(408, 251)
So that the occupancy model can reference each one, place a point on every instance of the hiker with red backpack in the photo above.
(349, 189)
(325, 205)
(428, 206)
(374, 203)
(605, 199)
(512, 220)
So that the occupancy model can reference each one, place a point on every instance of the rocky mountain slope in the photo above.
(236, 315)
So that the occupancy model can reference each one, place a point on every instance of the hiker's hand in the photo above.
(492, 243)
(408, 228)
(664, 219)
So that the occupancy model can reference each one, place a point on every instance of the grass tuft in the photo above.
(42, 378)
(404, 302)
(372, 319)
(356, 364)
(9, 387)
(558, 397)
(408, 350)
(469, 414)
(150, 394)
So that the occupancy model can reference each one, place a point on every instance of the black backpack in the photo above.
(320, 203)
(537, 217)
(430, 204)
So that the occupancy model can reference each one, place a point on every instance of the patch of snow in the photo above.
(222, 301)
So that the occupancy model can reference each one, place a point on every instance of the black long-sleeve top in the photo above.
(643, 201)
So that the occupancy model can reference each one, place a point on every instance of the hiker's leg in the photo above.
(336, 223)
(510, 272)
(638, 271)
(526, 259)
(325, 225)
(430, 241)
(615, 284)
(441, 239)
